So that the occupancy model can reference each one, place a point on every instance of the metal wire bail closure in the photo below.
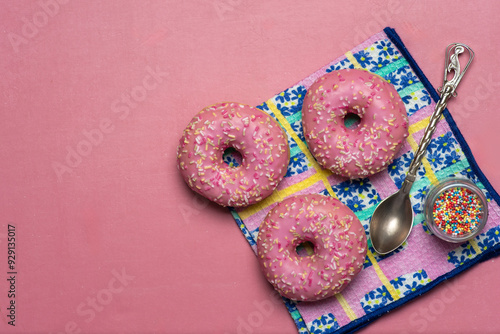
(452, 63)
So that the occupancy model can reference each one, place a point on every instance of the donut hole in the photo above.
(351, 120)
(305, 248)
(232, 157)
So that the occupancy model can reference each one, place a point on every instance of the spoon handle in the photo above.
(447, 91)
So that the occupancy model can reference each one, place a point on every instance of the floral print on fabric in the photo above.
(443, 151)
(357, 194)
(343, 64)
(419, 197)
(399, 166)
(403, 285)
(297, 164)
(290, 100)
(375, 299)
(231, 157)
(466, 251)
(324, 324)
(409, 283)
(297, 128)
(380, 51)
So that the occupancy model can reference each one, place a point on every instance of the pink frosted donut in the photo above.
(372, 145)
(254, 134)
(339, 247)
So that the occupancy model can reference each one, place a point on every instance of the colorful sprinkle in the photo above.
(458, 211)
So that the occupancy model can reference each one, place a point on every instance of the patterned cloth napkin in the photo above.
(423, 261)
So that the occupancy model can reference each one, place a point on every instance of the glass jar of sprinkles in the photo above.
(456, 210)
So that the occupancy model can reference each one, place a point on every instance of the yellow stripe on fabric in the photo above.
(420, 125)
(279, 195)
(428, 169)
(382, 277)
(323, 173)
(476, 247)
(345, 305)
(353, 60)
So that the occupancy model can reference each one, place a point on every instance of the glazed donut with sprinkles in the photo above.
(339, 242)
(383, 123)
(259, 139)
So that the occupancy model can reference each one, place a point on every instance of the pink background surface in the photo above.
(123, 207)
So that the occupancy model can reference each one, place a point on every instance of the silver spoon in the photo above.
(392, 220)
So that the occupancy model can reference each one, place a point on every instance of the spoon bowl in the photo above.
(391, 222)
